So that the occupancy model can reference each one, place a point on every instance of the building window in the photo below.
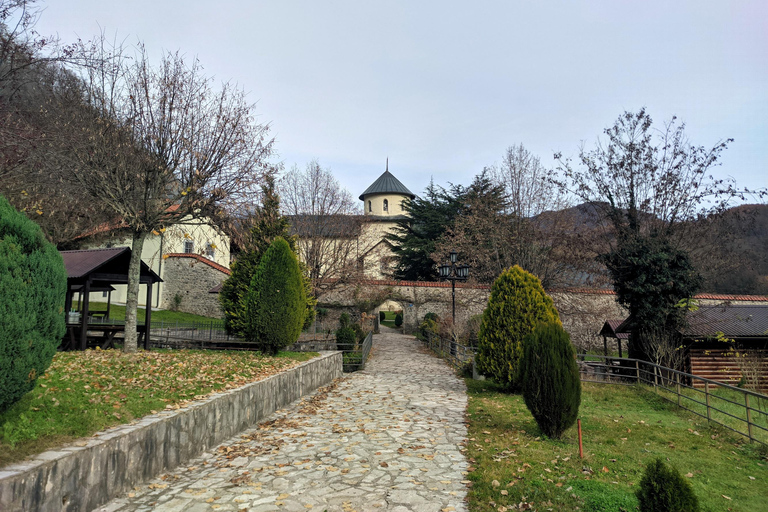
(210, 251)
(370, 208)
(386, 205)
(189, 246)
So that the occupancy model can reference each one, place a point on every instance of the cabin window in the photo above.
(189, 246)
(210, 251)
(370, 208)
(386, 205)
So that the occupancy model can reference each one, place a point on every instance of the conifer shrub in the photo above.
(430, 325)
(550, 379)
(516, 306)
(398, 320)
(382, 316)
(33, 284)
(663, 488)
(276, 300)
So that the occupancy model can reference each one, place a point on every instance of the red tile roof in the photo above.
(201, 259)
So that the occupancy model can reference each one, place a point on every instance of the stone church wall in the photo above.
(192, 279)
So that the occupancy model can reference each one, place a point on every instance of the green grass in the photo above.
(727, 406)
(165, 315)
(389, 319)
(624, 428)
(85, 392)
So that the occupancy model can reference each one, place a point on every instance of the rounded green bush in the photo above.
(516, 306)
(398, 320)
(663, 489)
(276, 300)
(33, 284)
(550, 379)
(382, 316)
(346, 337)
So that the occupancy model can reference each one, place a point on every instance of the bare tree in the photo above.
(510, 215)
(161, 145)
(327, 221)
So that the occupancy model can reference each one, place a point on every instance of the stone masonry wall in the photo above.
(86, 475)
(192, 279)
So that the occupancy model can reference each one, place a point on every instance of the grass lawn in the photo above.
(389, 319)
(84, 392)
(165, 315)
(624, 428)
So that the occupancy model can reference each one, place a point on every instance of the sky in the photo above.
(442, 88)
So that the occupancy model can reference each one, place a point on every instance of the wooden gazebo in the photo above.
(96, 270)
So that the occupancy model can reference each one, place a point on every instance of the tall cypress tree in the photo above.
(275, 304)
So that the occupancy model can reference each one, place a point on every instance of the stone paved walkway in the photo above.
(387, 438)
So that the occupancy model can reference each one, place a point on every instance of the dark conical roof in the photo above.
(387, 184)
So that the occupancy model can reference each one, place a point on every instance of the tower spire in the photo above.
(387, 169)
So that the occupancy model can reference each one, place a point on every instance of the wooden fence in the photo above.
(737, 409)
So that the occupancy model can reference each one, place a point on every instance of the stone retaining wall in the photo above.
(88, 474)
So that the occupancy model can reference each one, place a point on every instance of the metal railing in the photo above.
(355, 355)
(740, 410)
(455, 353)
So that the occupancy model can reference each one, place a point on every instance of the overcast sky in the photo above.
(443, 87)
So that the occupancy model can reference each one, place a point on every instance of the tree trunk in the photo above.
(132, 300)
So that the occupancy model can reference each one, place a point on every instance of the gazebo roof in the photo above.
(107, 266)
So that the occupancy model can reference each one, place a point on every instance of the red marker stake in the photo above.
(581, 448)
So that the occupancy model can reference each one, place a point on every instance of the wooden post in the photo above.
(677, 386)
(84, 319)
(637, 369)
(148, 316)
(749, 417)
(706, 396)
(655, 379)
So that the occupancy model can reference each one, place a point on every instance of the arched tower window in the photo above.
(370, 208)
(386, 205)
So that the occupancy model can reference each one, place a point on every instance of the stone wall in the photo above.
(582, 311)
(192, 277)
(90, 473)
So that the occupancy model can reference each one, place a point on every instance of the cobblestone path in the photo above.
(387, 438)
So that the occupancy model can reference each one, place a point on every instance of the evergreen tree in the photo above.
(267, 226)
(414, 236)
(275, 305)
(651, 278)
(550, 379)
(663, 489)
(33, 284)
(516, 306)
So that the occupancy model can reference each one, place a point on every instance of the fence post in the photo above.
(749, 417)
(677, 386)
(637, 369)
(706, 395)
(655, 380)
